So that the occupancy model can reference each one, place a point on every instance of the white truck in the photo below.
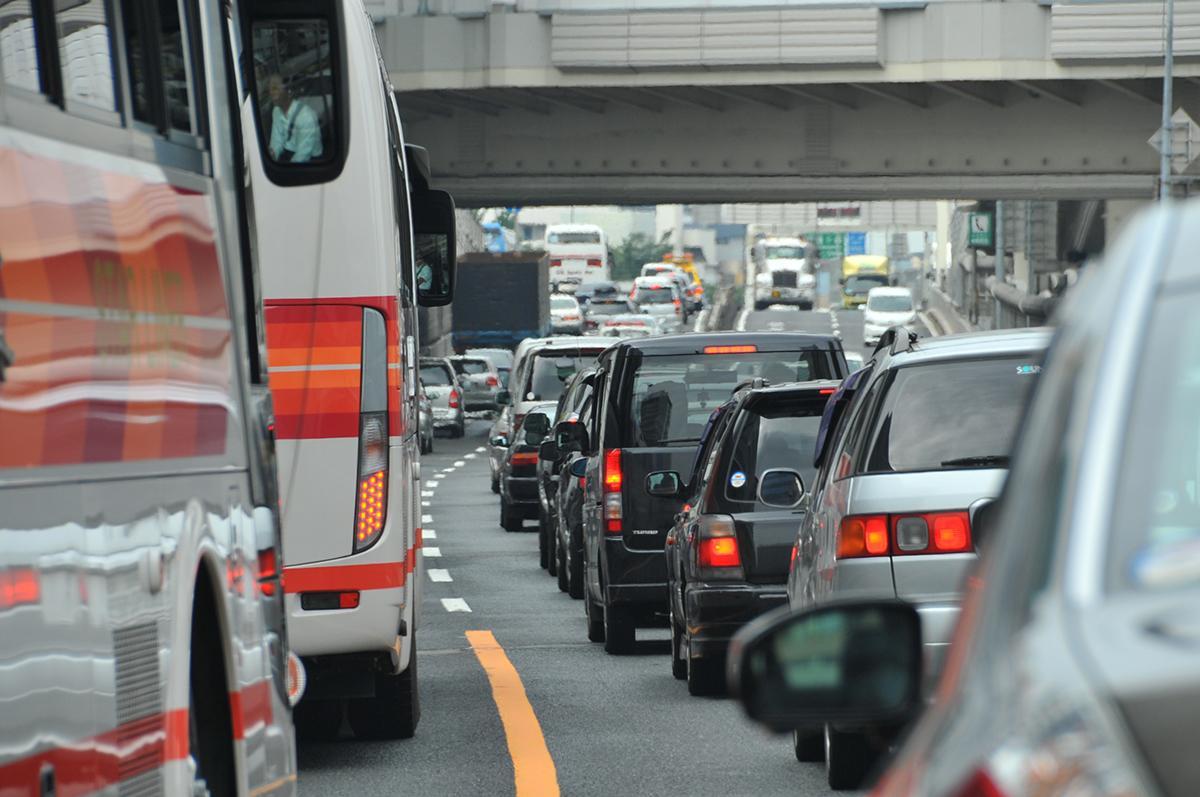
(783, 273)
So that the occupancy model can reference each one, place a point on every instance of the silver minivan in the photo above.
(445, 395)
(913, 449)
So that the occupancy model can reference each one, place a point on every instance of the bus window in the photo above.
(295, 77)
(18, 46)
(174, 68)
(83, 49)
(162, 82)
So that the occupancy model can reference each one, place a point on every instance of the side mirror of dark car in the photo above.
(664, 484)
(499, 441)
(548, 451)
(504, 398)
(571, 436)
(853, 663)
(781, 487)
(579, 467)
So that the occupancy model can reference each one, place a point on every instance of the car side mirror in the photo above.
(548, 451)
(571, 436)
(499, 441)
(781, 487)
(578, 467)
(664, 484)
(842, 662)
(434, 244)
(504, 398)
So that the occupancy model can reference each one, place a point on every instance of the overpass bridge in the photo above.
(652, 101)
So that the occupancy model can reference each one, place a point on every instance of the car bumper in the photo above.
(636, 579)
(442, 418)
(938, 620)
(521, 490)
(480, 400)
(785, 295)
(570, 328)
(714, 612)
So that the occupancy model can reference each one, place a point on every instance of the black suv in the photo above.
(552, 471)
(653, 399)
(729, 551)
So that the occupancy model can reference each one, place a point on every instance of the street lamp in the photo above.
(1164, 166)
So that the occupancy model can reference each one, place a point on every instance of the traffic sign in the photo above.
(1185, 140)
(856, 243)
(832, 245)
(979, 230)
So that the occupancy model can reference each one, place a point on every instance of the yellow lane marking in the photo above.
(533, 768)
(267, 788)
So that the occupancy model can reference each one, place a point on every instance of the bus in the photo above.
(578, 253)
(351, 239)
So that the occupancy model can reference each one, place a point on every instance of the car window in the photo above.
(942, 416)
(550, 372)
(781, 252)
(707, 439)
(597, 307)
(435, 376)
(669, 398)
(1155, 539)
(470, 367)
(779, 433)
(861, 283)
(563, 303)
(890, 304)
(573, 238)
(661, 295)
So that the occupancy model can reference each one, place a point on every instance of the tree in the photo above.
(636, 250)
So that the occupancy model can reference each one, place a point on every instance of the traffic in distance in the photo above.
(301, 491)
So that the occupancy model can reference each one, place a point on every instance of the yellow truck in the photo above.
(861, 273)
(695, 291)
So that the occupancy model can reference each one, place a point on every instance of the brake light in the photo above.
(979, 784)
(525, 458)
(951, 532)
(862, 536)
(371, 510)
(932, 532)
(744, 348)
(827, 391)
(555, 262)
(717, 552)
(678, 304)
(18, 587)
(492, 381)
(613, 479)
(594, 262)
(453, 401)
(268, 569)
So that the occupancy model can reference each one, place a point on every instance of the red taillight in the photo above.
(719, 552)
(453, 401)
(863, 535)
(932, 532)
(678, 303)
(268, 569)
(348, 600)
(979, 784)
(492, 381)
(555, 262)
(951, 532)
(524, 458)
(827, 391)
(594, 262)
(371, 509)
(745, 348)
(19, 586)
(582, 482)
(613, 478)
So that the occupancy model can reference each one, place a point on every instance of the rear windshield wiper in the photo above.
(983, 461)
(680, 440)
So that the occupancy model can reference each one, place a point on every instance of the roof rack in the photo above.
(755, 383)
(897, 339)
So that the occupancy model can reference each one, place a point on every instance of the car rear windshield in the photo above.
(499, 357)
(653, 296)
(435, 376)
(861, 283)
(890, 304)
(551, 371)
(772, 433)
(607, 308)
(573, 238)
(471, 367)
(667, 400)
(563, 303)
(943, 416)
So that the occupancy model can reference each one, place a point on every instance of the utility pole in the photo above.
(1164, 166)
(1000, 258)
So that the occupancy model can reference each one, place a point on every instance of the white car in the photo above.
(887, 307)
(854, 360)
(632, 325)
(661, 298)
(566, 316)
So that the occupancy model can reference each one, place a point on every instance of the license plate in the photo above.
(775, 294)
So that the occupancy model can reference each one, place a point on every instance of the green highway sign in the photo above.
(832, 245)
(980, 231)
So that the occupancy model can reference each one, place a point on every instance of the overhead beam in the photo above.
(752, 94)
(1066, 92)
(1133, 88)
(631, 97)
(914, 96)
(817, 95)
(568, 99)
(976, 92)
(674, 94)
(522, 101)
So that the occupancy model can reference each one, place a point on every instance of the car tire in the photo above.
(705, 677)
(618, 630)
(510, 520)
(460, 430)
(808, 745)
(678, 662)
(394, 711)
(495, 484)
(574, 576)
(560, 569)
(759, 306)
(543, 544)
(848, 757)
(595, 620)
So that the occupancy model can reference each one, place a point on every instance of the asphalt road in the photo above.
(612, 725)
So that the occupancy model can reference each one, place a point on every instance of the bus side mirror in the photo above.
(434, 244)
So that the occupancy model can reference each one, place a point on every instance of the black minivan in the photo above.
(655, 397)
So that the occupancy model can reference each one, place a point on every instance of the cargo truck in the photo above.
(501, 299)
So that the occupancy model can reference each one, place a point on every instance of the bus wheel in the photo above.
(210, 727)
(396, 708)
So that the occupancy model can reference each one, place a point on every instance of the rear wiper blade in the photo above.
(680, 440)
(987, 459)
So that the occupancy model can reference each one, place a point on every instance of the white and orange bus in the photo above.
(341, 287)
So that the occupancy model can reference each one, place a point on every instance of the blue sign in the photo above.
(856, 243)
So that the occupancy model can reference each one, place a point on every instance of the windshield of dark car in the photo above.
(551, 371)
(669, 398)
(773, 433)
(435, 376)
(941, 416)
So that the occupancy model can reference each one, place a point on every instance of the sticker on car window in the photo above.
(1027, 370)
(737, 479)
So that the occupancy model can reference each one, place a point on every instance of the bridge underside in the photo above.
(771, 143)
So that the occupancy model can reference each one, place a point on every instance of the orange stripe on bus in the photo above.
(316, 380)
(283, 356)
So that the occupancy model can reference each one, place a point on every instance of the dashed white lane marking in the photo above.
(480, 450)
(459, 464)
(428, 534)
(427, 503)
(426, 518)
(432, 485)
(455, 605)
(439, 575)
(740, 324)
(426, 494)
(469, 456)
(447, 470)
(432, 552)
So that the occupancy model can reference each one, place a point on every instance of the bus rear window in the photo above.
(669, 398)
